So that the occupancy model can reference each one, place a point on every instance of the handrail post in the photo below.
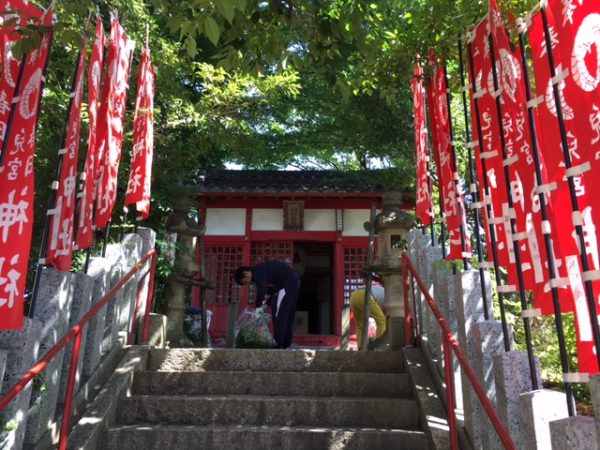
(150, 299)
(407, 315)
(450, 400)
(450, 341)
(68, 409)
(138, 298)
(75, 334)
(417, 332)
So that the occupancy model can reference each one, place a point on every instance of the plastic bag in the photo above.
(252, 330)
(192, 325)
(372, 328)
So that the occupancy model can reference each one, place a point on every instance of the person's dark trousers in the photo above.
(283, 317)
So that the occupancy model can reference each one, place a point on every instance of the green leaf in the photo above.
(174, 23)
(225, 7)
(73, 37)
(212, 30)
(240, 4)
(190, 46)
(21, 47)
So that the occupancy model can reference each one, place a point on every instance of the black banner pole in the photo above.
(491, 230)
(11, 114)
(473, 181)
(442, 238)
(463, 234)
(428, 162)
(107, 231)
(589, 289)
(106, 237)
(40, 264)
(123, 223)
(560, 333)
(513, 223)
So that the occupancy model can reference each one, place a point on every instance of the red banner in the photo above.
(17, 185)
(26, 14)
(60, 243)
(424, 205)
(563, 232)
(577, 32)
(453, 206)
(490, 138)
(577, 27)
(520, 163)
(110, 122)
(84, 236)
(138, 187)
(430, 95)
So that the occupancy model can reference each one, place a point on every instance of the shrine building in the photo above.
(311, 220)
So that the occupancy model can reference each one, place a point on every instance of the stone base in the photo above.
(595, 391)
(536, 410)
(513, 378)
(158, 330)
(396, 329)
(574, 432)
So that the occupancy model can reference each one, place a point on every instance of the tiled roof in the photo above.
(295, 181)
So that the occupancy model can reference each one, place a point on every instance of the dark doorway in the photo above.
(314, 263)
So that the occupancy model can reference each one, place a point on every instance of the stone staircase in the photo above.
(268, 399)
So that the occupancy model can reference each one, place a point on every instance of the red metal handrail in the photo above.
(450, 343)
(75, 334)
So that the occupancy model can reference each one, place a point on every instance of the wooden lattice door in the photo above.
(220, 261)
(355, 261)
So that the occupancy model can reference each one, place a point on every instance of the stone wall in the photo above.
(63, 299)
(534, 419)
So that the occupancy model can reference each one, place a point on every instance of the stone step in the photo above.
(268, 411)
(244, 437)
(195, 360)
(326, 384)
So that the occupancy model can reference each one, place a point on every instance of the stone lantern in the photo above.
(185, 270)
(392, 226)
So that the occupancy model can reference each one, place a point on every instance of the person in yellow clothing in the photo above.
(357, 305)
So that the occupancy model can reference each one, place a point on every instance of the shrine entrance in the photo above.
(315, 313)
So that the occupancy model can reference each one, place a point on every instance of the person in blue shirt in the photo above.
(277, 285)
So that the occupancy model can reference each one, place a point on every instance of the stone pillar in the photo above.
(578, 432)
(82, 299)
(124, 256)
(132, 250)
(3, 358)
(513, 378)
(158, 330)
(413, 237)
(99, 270)
(114, 254)
(430, 332)
(22, 347)
(595, 393)
(185, 270)
(148, 236)
(487, 341)
(52, 309)
(469, 310)
(392, 226)
(444, 290)
(424, 244)
(536, 410)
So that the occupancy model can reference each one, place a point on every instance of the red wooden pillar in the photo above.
(195, 295)
(338, 285)
(246, 246)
